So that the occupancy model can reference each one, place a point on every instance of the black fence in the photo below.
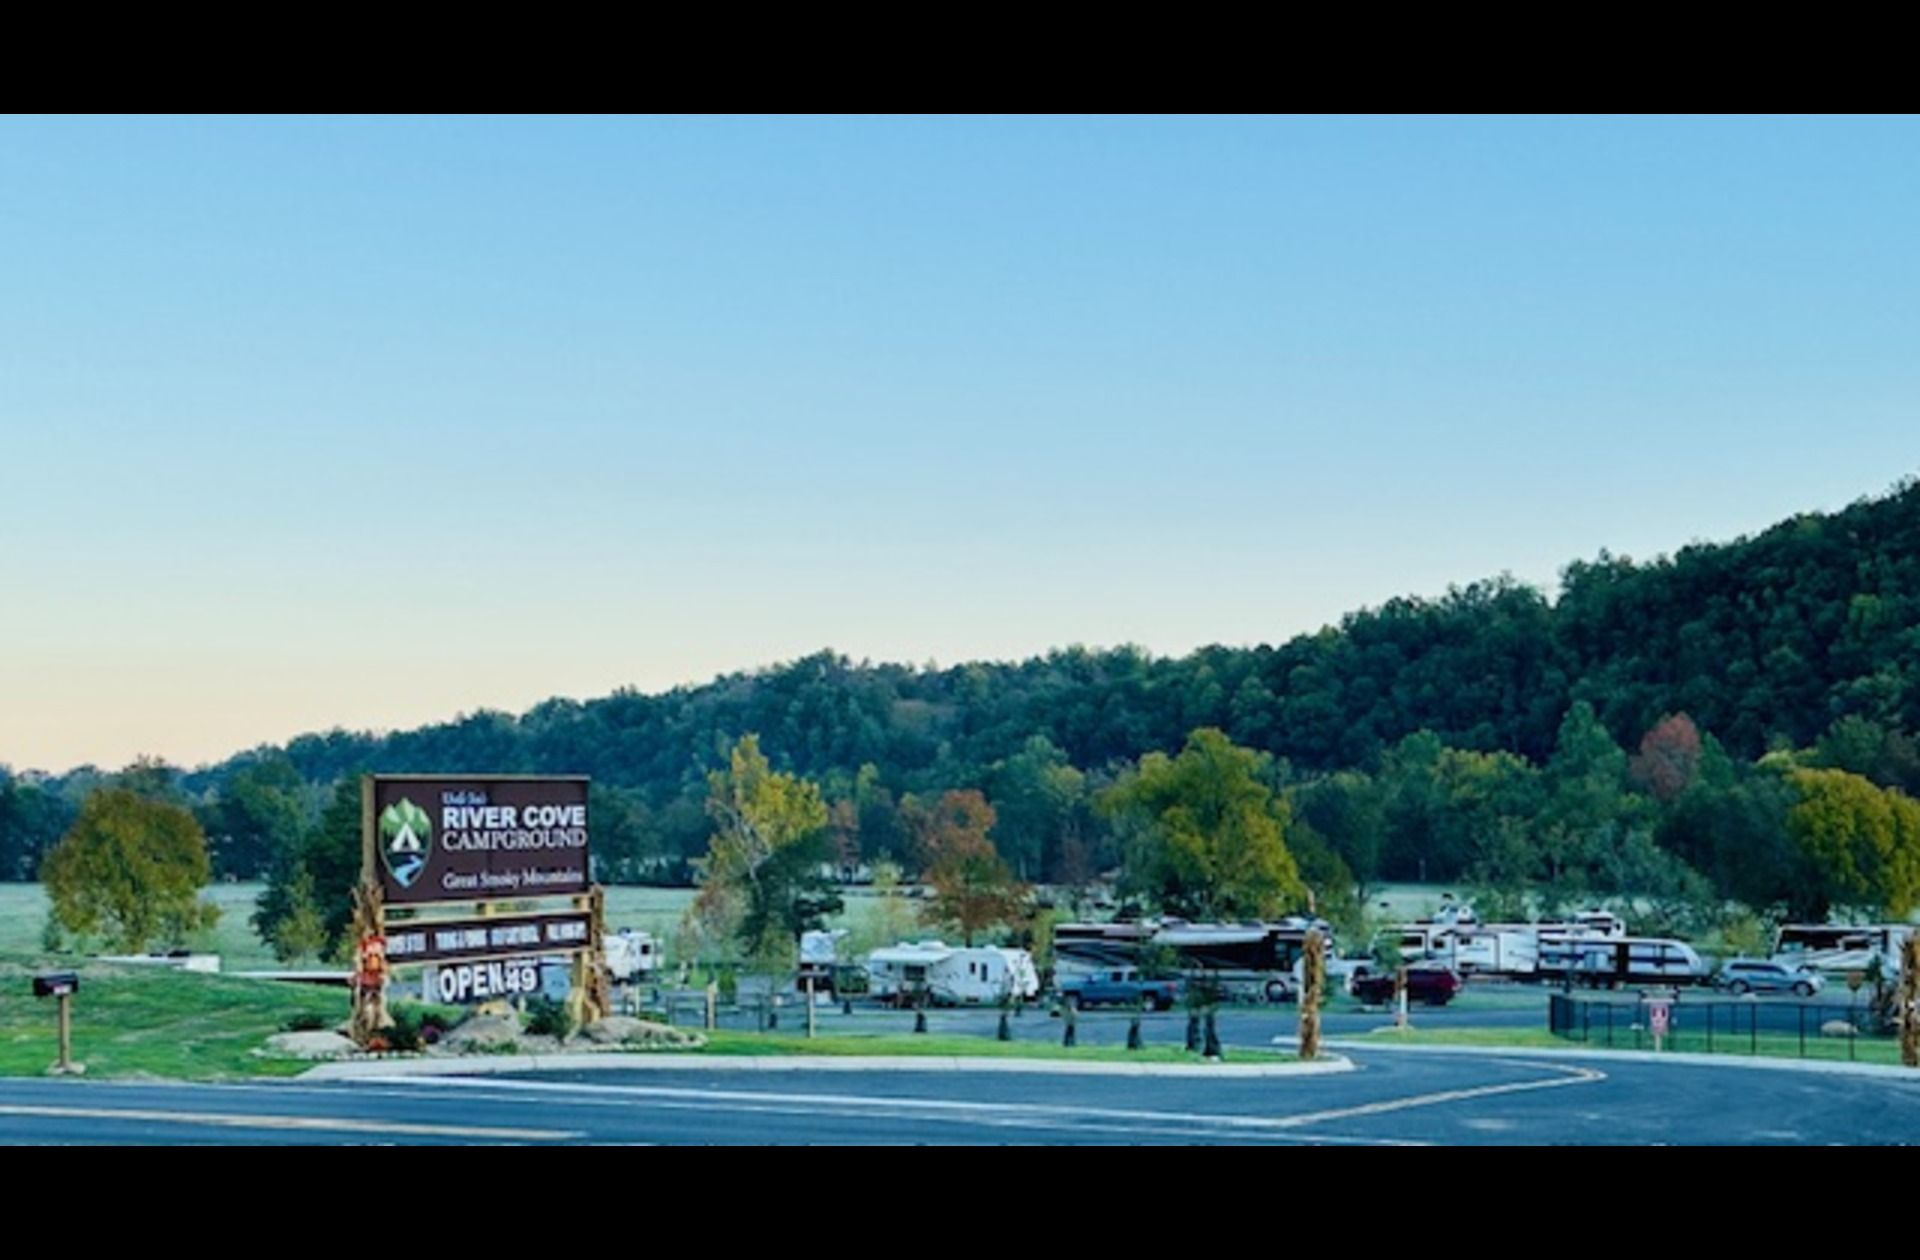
(1758, 1026)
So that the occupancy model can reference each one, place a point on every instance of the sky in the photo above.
(309, 423)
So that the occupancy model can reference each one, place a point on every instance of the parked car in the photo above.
(1427, 983)
(1761, 975)
(1120, 987)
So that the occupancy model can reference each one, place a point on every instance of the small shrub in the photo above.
(404, 1036)
(547, 1018)
(307, 1021)
(438, 1023)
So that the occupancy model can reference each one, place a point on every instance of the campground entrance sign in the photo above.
(482, 876)
(470, 839)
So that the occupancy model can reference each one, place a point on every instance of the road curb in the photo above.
(614, 1062)
(1818, 1067)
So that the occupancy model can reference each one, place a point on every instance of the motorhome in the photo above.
(951, 975)
(1833, 948)
(1246, 960)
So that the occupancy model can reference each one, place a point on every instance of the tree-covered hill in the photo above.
(1764, 642)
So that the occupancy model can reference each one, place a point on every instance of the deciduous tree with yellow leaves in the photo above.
(763, 869)
(1207, 835)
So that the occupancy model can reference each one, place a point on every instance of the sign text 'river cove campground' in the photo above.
(480, 839)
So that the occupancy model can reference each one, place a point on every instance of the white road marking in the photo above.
(1027, 1114)
(1573, 1076)
(320, 1124)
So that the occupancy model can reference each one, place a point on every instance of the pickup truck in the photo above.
(1119, 988)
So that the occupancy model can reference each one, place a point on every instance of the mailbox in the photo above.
(56, 984)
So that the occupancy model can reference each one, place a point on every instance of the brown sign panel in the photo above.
(476, 838)
(485, 938)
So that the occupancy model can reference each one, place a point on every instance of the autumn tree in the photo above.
(973, 887)
(1206, 834)
(1669, 758)
(130, 869)
(763, 863)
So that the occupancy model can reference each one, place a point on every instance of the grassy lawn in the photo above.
(1775, 1046)
(136, 1021)
(1417, 1036)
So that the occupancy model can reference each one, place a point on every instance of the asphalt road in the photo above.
(1393, 1097)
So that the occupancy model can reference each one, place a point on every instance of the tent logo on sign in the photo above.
(406, 841)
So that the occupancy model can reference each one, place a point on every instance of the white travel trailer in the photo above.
(952, 974)
(633, 957)
(1456, 937)
(1613, 961)
(820, 960)
(1491, 950)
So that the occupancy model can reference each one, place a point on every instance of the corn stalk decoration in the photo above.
(1313, 984)
(370, 1015)
(1908, 999)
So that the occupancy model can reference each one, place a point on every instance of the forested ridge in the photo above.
(1802, 642)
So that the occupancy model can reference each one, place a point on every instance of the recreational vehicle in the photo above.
(633, 957)
(1457, 938)
(951, 975)
(820, 960)
(1833, 948)
(1246, 960)
(1612, 961)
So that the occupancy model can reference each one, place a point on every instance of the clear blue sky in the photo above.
(370, 422)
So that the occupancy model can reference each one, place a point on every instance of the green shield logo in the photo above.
(406, 841)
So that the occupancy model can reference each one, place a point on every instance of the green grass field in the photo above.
(140, 1021)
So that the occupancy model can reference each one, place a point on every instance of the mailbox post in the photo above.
(61, 985)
